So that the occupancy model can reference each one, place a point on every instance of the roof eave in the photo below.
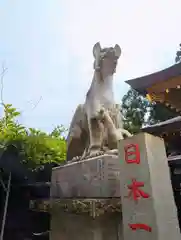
(142, 83)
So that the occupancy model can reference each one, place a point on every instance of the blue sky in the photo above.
(47, 47)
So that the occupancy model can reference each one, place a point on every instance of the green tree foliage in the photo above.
(36, 147)
(159, 112)
(134, 108)
(138, 111)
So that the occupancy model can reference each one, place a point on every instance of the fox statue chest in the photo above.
(99, 95)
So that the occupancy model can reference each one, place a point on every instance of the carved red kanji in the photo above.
(143, 226)
(132, 153)
(135, 191)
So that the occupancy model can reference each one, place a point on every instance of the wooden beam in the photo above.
(168, 84)
(171, 98)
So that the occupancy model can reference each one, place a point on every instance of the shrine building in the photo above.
(164, 87)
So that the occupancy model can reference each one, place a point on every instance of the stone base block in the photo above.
(88, 207)
(97, 177)
(69, 226)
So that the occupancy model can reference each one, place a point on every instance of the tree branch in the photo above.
(4, 70)
(34, 104)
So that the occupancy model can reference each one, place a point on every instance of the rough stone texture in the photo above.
(159, 210)
(88, 207)
(97, 124)
(66, 226)
(98, 177)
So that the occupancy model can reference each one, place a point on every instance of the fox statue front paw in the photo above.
(112, 152)
(95, 154)
(75, 159)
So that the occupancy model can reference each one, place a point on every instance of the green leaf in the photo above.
(35, 146)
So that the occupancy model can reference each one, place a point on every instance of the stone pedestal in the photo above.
(97, 177)
(68, 226)
(79, 211)
(148, 206)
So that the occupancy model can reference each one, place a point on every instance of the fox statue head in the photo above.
(105, 59)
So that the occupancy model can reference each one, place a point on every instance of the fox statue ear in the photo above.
(96, 50)
(117, 50)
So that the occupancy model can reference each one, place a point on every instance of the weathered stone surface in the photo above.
(98, 177)
(157, 209)
(97, 125)
(88, 207)
(66, 226)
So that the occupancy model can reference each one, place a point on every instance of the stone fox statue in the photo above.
(97, 124)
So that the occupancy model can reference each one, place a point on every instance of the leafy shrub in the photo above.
(36, 147)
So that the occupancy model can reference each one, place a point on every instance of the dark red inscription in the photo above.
(132, 153)
(143, 226)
